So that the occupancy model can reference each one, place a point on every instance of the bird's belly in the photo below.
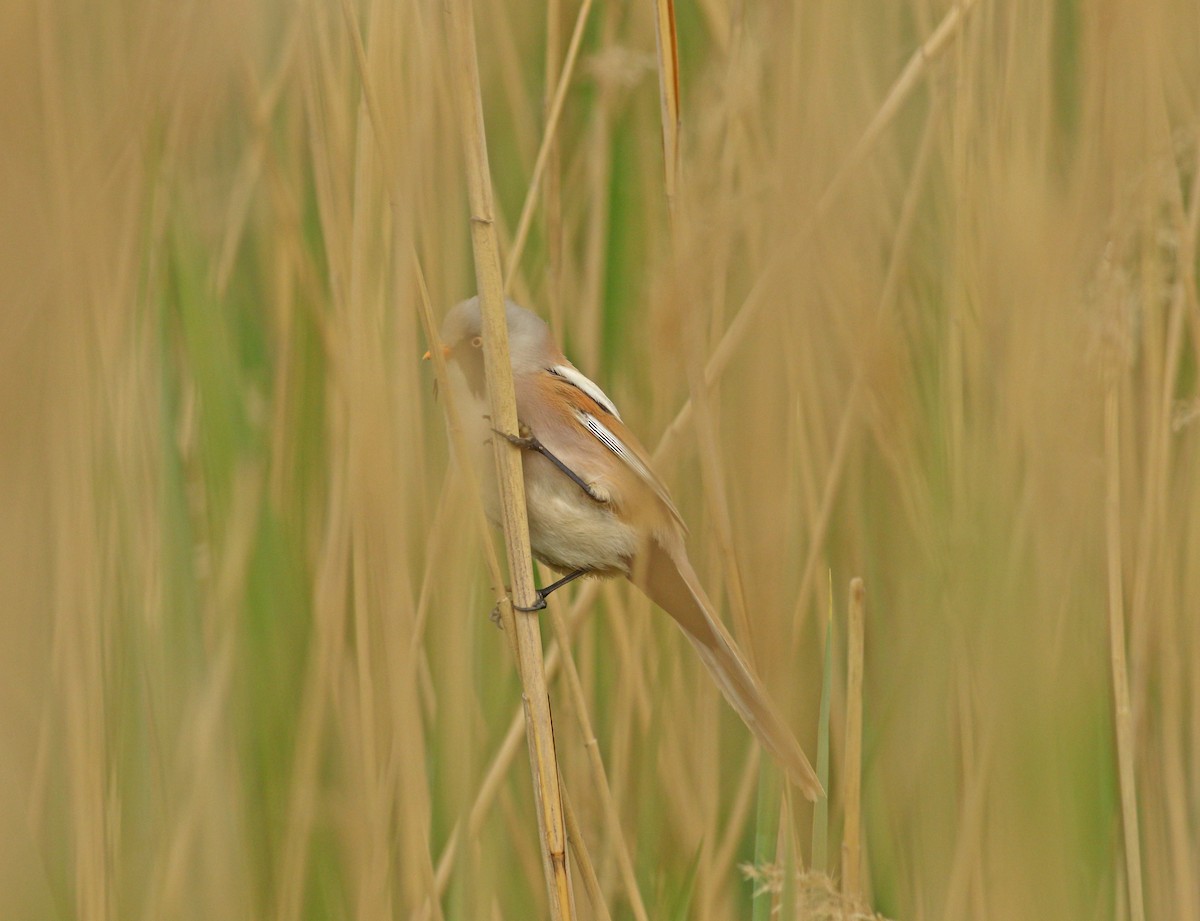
(570, 531)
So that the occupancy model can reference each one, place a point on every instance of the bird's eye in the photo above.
(477, 341)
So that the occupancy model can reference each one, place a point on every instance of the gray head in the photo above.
(530, 344)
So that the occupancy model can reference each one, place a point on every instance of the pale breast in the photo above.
(569, 530)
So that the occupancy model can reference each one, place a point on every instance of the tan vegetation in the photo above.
(928, 315)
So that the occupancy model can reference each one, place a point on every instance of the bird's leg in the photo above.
(529, 442)
(542, 593)
(539, 603)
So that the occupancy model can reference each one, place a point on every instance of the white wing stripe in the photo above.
(572, 375)
(613, 443)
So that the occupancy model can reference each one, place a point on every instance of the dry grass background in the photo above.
(246, 668)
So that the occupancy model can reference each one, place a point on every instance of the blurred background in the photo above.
(246, 668)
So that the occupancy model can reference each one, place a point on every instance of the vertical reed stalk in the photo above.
(668, 93)
(852, 768)
(820, 827)
(522, 628)
(544, 150)
(599, 775)
(1122, 713)
(918, 64)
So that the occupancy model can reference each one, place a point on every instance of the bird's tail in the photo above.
(668, 580)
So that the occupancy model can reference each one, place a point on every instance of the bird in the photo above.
(595, 505)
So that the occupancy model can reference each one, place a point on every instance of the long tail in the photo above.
(668, 580)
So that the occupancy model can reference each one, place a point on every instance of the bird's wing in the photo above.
(594, 413)
(577, 378)
(660, 568)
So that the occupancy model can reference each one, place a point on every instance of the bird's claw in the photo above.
(524, 439)
(539, 604)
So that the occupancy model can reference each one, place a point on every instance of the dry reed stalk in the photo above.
(916, 67)
(329, 643)
(521, 627)
(428, 899)
(379, 583)
(488, 789)
(754, 301)
(505, 752)
(1156, 494)
(249, 170)
(595, 762)
(591, 882)
(667, 46)
(964, 886)
(370, 98)
(596, 191)
(335, 579)
(371, 545)
(852, 767)
(883, 309)
(1038, 94)
(1122, 712)
(739, 810)
(628, 634)
(543, 155)
(1185, 896)
(552, 215)
(819, 860)
(713, 478)
(711, 468)
(721, 855)
(712, 472)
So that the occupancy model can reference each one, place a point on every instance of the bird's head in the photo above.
(530, 345)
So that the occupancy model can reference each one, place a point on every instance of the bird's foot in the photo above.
(523, 439)
(540, 595)
(539, 604)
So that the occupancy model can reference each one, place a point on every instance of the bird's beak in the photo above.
(445, 353)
